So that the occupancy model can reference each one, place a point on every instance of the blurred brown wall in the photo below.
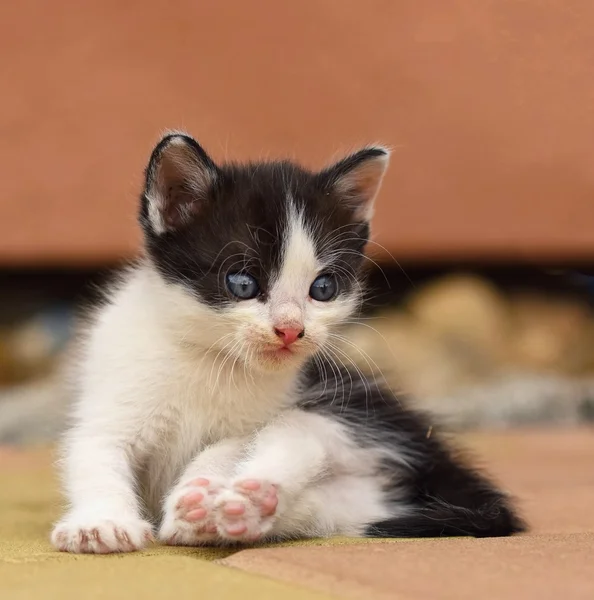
(489, 107)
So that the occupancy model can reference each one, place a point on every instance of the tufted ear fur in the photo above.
(178, 179)
(357, 179)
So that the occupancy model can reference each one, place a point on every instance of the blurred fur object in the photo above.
(24, 353)
(33, 412)
(477, 358)
(32, 395)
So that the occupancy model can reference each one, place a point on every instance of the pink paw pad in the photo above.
(196, 515)
(189, 521)
(246, 513)
(191, 506)
(263, 495)
(236, 529)
(234, 508)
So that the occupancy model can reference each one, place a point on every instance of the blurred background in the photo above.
(483, 240)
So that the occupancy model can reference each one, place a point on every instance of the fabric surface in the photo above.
(29, 567)
(542, 566)
(552, 475)
(550, 472)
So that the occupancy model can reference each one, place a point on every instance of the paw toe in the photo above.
(188, 513)
(99, 536)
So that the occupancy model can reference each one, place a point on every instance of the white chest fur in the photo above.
(147, 387)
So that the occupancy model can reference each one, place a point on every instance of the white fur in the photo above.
(171, 390)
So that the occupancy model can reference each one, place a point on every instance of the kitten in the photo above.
(212, 402)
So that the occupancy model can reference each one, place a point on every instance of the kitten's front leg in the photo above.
(285, 458)
(104, 513)
(189, 509)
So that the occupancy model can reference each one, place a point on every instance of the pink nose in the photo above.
(289, 334)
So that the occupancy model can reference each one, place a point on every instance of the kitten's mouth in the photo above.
(277, 352)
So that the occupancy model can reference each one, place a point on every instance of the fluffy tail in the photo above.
(446, 497)
(441, 519)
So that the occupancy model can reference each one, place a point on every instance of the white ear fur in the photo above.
(358, 178)
(178, 179)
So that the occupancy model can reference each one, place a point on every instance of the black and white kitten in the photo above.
(210, 407)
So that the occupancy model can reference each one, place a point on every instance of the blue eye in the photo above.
(323, 288)
(242, 285)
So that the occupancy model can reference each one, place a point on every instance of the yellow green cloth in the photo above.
(30, 567)
(550, 472)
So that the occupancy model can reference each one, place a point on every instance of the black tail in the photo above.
(449, 498)
(448, 520)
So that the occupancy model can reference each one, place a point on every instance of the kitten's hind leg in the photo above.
(344, 505)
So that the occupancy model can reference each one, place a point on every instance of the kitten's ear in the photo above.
(357, 178)
(179, 177)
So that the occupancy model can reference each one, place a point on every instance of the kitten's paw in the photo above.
(188, 518)
(247, 512)
(91, 535)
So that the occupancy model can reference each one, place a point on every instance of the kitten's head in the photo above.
(268, 255)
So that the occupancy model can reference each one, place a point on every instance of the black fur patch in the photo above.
(446, 496)
(243, 222)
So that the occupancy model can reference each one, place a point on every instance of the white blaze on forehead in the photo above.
(299, 267)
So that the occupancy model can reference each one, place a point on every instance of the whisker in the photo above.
(335, 372)
(360, 373)
(395, 261)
